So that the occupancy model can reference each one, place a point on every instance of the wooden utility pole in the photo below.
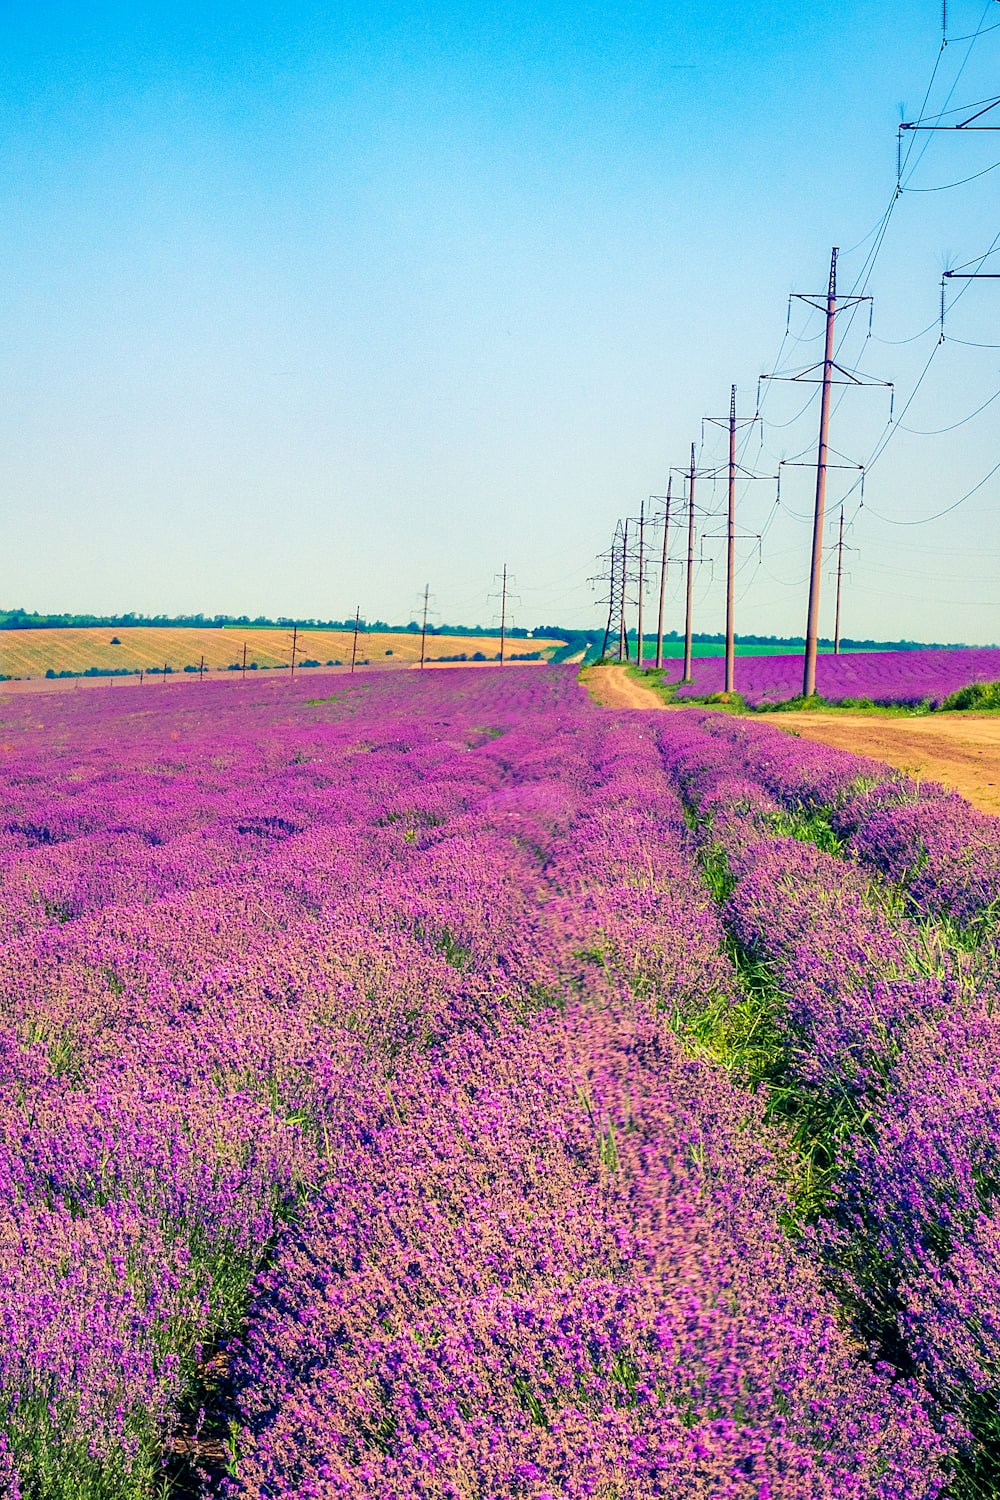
(642, 569)
(663, 575)
(503, 612)
(201, 670)
(244, 676)
(354, 643)
(164, 674)
(819, 514)
(423, 628)
(295, 642)
(686, 677)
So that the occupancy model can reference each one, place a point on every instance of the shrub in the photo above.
(975, 695)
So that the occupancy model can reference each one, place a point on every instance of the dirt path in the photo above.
(960, 750)
(611, 687)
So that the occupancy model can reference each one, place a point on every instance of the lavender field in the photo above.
(437, 1086)
(907, 678)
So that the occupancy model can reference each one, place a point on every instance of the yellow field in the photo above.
(30, 653)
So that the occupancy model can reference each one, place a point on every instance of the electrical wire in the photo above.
(976, 261)
(937, 431)
(868, 266)
(950, 94)
(877, 235)
(785, 583)
(943, 187)
(973, 35)
(888, 432)
(960, 109)
(887, 436)
(912, 338)
(778, 426)
(948, 508)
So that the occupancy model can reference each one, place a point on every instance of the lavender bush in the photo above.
(907, 678)
(362, 1038)
(880, 947)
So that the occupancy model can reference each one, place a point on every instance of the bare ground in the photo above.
(960, 750)
(611, 687)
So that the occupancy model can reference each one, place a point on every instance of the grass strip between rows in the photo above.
(748, 1041)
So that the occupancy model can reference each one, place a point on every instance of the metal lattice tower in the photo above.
(615, 561)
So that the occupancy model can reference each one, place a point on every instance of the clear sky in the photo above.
(303, 306)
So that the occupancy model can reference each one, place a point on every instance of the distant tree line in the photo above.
(590, 641)
(22, 619)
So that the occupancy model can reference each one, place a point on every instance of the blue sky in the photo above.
(306, 306)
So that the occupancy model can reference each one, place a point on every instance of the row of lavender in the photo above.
(908, 678)
(887, 957)
(367, 1010)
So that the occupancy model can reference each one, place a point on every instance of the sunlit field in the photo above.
(435, 1084)
(33, 653)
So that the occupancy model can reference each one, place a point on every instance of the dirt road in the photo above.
(960, 750)
(611, 687)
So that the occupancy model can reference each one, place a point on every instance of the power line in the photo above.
(948, 508)
(944, 187)
(937, 431)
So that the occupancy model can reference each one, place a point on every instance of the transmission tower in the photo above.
(354, 640)
(613, 573)
(840, 547)
(733, 470)
(691, 474)
(504, 595)
(423, 626)
(665, 562)
(826, 374)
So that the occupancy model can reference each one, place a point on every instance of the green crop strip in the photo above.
(819, 1127)
(748, 1040)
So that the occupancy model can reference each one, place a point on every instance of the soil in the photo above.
(960, 750)
(612, 687)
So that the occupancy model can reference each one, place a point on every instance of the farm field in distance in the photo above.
(419, 1084)
(31, 653)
